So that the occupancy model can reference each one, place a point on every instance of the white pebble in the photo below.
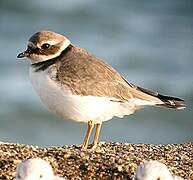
(153, 170)
(35, 169)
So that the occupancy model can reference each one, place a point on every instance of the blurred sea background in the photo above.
(149, 42)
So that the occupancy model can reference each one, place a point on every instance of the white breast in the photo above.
(62, 102)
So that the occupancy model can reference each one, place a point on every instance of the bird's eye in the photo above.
(41, 176)
(45, 46)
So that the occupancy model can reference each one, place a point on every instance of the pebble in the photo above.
(116, 161)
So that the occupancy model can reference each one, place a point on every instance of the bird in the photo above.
(76, 85)
(154, 170)
(35, 169)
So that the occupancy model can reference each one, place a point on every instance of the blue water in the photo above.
(149, 42)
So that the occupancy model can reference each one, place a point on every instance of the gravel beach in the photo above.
(108, 161)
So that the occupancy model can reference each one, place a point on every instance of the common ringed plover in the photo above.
(76, 85)
(154, 170)
(35, 169)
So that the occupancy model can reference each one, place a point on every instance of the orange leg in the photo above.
(88, 133)
(96, 136)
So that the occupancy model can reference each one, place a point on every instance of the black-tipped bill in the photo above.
(26, 53)
(21, 55)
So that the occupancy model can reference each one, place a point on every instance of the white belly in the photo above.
(62, 102)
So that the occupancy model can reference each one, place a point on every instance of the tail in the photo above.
(166, 101)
